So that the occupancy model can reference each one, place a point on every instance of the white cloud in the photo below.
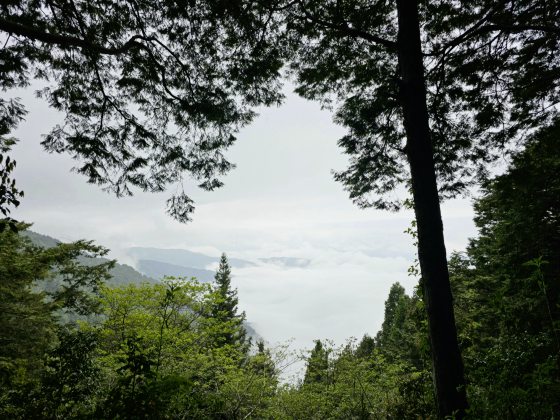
(339, 295)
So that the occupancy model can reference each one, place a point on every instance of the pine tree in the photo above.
(317, 371)
(393, 314)
(225, 311)
(262, 363)
(402, 337)
(506, 287)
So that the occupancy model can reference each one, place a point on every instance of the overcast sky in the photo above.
(281, 200)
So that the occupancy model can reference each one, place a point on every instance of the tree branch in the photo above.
(67, 41)
(499, 27)
(353, 32)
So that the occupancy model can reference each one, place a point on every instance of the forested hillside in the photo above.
(148, 97)
(158, 270)
(507, 303)
(120, 273)
(179, 348)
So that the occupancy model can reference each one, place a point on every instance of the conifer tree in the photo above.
(392, 319)
(28, 315)
(262, 363)
(317, 365)
(506, 289)
(430, 92)
(226, 312)
(366, 346)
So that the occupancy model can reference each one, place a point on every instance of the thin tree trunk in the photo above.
(447, 363)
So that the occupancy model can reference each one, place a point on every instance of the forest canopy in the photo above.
(430, 93)
(178, 348)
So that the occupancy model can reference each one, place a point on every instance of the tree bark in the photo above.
(448, 369)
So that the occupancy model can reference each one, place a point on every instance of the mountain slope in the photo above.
(121, 273)
(158, 269)
(289, 262)
(124, 274)
(181, 257)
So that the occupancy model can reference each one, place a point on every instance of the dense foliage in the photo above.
(146, 103)
(178, 349)
(507, 291)
(508, 315)
(430, 92)
(152, 350)
(150, 92)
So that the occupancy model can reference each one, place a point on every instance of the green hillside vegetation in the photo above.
(150, 97)
(180, 349)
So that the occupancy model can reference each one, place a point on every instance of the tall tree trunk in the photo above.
(447, 363)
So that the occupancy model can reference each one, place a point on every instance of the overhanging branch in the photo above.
(348, 30)
(66, 41)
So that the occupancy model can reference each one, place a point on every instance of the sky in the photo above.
(280, 201)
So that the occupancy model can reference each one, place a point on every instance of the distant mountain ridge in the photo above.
(287, 261)
(189, 260)
(123, 274)
(152, 264)
(120, 274)
(158, 270)
(182, 257)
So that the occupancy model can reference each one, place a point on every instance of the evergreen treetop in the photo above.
(225, 309)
